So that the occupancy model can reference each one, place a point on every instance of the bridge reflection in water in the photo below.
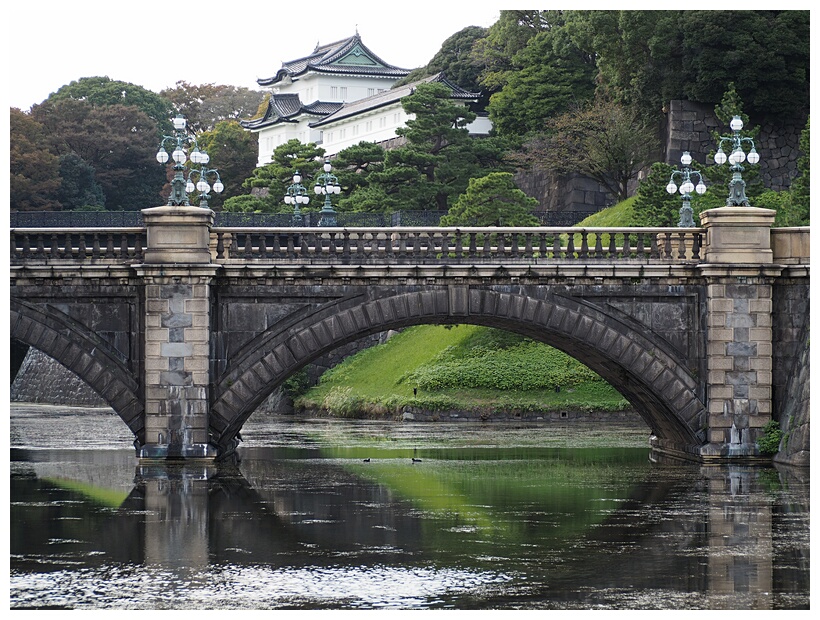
(303, 528)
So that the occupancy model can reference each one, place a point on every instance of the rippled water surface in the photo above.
(347, 514)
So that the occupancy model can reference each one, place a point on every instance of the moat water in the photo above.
(341, 514)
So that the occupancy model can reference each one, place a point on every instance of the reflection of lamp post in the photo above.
(179, 188)
(327, 184)
(686, 189)
(297, 194)
(737, 186)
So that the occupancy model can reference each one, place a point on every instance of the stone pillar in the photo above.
(177, 274)
(739, 274)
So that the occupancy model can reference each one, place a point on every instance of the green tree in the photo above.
(411, 177)
(103, 91)
(495, 51)
(553, 74)
(206, 105)
(801, 185)
(118, 141)
(353, 166)
(602, 140)
(653, 205)
(647, 58)
(79, 188)
(273, 179)
(233, 153)
(492, 200)
(35, 168)
(456, 61)
(247, 203)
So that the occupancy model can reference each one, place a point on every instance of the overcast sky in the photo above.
(155, 44)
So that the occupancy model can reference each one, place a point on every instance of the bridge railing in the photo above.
(352, 245)
(107, 245)
(428, 244)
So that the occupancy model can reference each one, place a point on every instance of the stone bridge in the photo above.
(185, 328)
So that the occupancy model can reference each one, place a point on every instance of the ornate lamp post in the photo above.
(737, 186)
(327, 184)
(179, 187)
(296, 195)
(686, 189)
(201, 158)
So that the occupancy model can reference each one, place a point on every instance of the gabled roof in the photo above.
(348, 56)
(286, 108)
(389, 97)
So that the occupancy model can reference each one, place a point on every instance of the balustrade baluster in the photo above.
(556, 245)
(500, 245)
(95, 252)
(458, 248)
(291, 248)
(81, 247)
(55, 250)
(248, 246)
(405, 251)
(276, 250)
(528, 245)
(263, 246)
(654, 249)
(67, 250)
(417, 251)
(599, 249)
(471, 251)
(697, 239)
(445, 246)
(681, 245)
(388, 245)
(346, 245)
(220, 245)
(584, 253)
(613, 247)
(360, 246)
(627, 251)
(331, 247)
(109, 246)
(26, 246)
(639, 249)
(667, 245)
(570, 246)
(124, 247)
(487, 250)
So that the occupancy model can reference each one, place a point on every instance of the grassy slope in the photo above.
(380, 379)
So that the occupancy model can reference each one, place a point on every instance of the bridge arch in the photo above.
(85, 354)
(649, 374)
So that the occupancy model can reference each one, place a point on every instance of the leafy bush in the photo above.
(528, 365)
(769, 442)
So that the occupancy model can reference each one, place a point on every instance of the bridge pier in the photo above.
(739, 277)
(177, 275)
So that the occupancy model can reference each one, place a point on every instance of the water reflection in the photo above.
(466, 527)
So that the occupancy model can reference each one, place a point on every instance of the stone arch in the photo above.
(644, 369)
(85, 354)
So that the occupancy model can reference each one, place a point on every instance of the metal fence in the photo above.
(133, 219)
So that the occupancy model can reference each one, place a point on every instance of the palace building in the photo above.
(338, 96)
